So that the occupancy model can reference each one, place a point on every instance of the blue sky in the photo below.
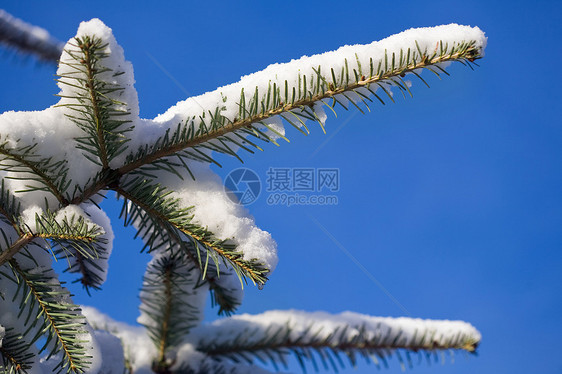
(451, 200)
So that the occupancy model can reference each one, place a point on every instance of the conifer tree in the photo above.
(58, 164)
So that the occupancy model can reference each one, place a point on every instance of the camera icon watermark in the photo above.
(243, 186)
(285, 186)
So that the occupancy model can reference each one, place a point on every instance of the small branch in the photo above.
(63, 340)
(16, 353)
(11, 359)
(22, 241)
(27, 238)
(24, 37)
(91, 191)
(90, 79)
(55, 237)
(345, 347)
(425, 61)
(255, 277)
(211, 280)
(166, 317)
(36, 171)
(9, 217)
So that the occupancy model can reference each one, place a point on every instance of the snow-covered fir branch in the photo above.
(27, 38)
(171, 300)
(323, 338)
(57, 165)
(237, 115)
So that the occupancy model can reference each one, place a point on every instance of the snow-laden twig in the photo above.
(27, 38)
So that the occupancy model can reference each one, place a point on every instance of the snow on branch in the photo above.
(255, 108)
(95, 90)
(15, 351)
(164, 219)
(323, 338)
(33, 288)
(139, 351)
(91, 263)
(27, 38)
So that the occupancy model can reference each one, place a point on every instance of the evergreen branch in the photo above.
(210, 366)
(26, 164)
(227, 299)
(69, 237)
(16, 357)
(23, 240)
(87, 266)
(72, 232)
(100, 182)
(223, 297)
(154, 199)
(160, 236)
(167, 303)
(89, 53)
(95, 112)
(10, 207)
(214, 131)
(72, 238)
(327, 345)
(48, 308)
(78, 241)
(24, 37)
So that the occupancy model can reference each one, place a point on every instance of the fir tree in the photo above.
(57, 165)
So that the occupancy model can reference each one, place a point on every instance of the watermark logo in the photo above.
(303, 179)
(302, 186)
(285, 186)
(243, 186)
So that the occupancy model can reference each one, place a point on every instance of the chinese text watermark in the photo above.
(285, 186)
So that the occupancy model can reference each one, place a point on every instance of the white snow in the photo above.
(137, 346)
(111, 359)
(73, 213)
(29, 215)
(94, 349)
(54, 134)
(212, 208)
(115, 61)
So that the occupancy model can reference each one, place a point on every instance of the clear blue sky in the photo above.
(452, 200)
